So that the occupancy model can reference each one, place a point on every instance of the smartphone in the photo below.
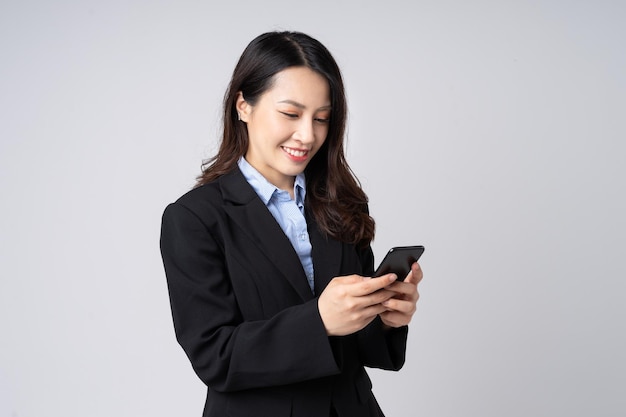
(399, 260)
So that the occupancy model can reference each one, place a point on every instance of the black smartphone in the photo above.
(399, 260)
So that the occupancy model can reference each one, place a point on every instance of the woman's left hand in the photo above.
(402, 306)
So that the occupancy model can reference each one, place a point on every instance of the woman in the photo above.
(268, 258)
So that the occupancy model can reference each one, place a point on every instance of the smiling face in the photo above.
(287, 125)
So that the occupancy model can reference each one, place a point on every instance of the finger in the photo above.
(403, 290)
(403, 306)
(395, 319)
(371, 285)
(362, 303)
(376, 298)
(348, 279)
(415, 275)
(363, 316)
(340, 298)
(375, 310)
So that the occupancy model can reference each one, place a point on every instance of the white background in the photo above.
(491, 132)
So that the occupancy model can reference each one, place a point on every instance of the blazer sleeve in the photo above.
(378, 347)
(226, 352)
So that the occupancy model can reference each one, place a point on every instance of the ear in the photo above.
(243, 108)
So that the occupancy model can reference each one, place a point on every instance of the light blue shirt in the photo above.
(288, 212)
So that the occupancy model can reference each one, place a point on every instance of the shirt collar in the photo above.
(266, 189)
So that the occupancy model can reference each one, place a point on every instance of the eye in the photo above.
(290, 115)
(323, 120)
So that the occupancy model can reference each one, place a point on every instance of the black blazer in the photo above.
(247, 319)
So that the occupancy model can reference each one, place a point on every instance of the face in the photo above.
(287, 125)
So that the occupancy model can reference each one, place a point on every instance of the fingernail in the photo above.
(393, 277)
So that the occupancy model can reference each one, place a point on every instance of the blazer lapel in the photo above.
(247, 210)
(326, 255)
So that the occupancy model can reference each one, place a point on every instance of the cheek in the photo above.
(277, 128)
(321, 132)
(265, 123)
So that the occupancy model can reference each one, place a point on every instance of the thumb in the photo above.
(414, 275)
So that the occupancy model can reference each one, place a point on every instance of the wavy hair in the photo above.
(334, 195)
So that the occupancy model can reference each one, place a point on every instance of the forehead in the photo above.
(301, 85)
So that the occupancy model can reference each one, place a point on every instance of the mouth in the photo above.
(296, 154)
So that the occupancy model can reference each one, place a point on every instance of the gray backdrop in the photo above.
(491, 132)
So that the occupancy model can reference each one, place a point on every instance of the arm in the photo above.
(226, 352)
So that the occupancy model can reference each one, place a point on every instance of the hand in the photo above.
(401, 307)
(350, 303)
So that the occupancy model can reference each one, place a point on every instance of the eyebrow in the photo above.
(302, 106)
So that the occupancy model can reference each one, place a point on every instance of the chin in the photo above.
(293, 173)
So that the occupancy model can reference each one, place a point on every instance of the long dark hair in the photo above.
(334, 195)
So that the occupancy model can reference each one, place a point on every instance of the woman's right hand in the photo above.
(350, 303)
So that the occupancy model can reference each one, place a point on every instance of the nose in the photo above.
(305, 132)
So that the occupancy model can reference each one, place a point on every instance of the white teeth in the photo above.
(295, 152)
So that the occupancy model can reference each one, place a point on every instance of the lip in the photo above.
(295, 154)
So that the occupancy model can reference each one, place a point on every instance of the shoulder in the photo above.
(209, 201)
(230, 188)
(198, 210)
(207, 194)
(204, 203)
